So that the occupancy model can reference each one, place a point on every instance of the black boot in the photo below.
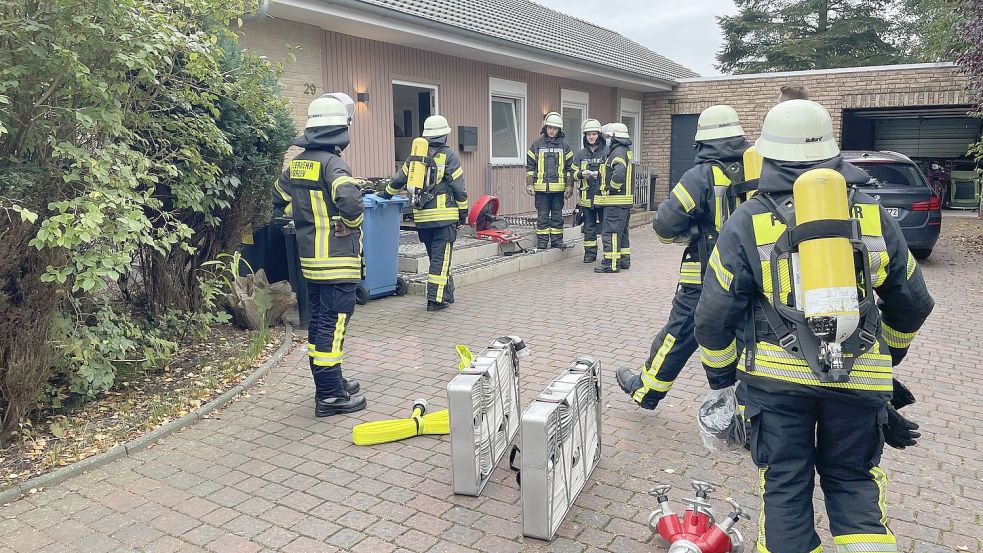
(342, 404)
(624, 263)
(603, 269)
(542, 244)
(590, 256)
(434, 306)
(627, 380)
(351, 386)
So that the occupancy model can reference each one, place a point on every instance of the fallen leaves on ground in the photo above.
(138, 404)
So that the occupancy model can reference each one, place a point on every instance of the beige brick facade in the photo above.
(303, 77)
(753, 95)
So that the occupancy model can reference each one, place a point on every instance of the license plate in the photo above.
(893, 211)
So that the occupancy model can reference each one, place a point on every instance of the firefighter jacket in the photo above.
(589, 159)
(317, 190)
(616, 175)
(699, 205)
(739, 283)
(548, 161)
(444, 199)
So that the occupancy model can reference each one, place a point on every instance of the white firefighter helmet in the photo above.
(797, 130)
(553, 119)
(347, 100)
(619, 130)
(435, 126)
(327, 111)
(717, 122)
(592, 125)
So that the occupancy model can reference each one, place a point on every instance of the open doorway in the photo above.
(412, 104)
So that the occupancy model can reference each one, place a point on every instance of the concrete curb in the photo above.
(136, 444)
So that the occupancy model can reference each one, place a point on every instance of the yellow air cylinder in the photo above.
(828, 276)
(752, 166)
(417, 169)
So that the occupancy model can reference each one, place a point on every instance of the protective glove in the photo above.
(899, 432)
(567, 192)
(530, 190)
(530, 180)
(902, 395)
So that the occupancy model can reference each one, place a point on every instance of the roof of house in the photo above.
(530, 24)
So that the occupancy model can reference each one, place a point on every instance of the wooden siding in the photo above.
(352, 64)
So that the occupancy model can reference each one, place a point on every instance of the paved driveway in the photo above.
(266, 475)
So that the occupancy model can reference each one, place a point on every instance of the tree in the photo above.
(792, 35)
(137, 142)
(971, 33)
(930, 29)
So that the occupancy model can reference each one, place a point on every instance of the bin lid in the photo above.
(374, 200)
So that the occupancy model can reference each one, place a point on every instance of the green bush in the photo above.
(144, 142)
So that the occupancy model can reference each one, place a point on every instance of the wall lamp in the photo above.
(362, 97)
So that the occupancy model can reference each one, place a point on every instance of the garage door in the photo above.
(943, 137)
(681, 153)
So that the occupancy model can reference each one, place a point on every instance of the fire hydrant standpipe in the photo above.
(696, 531)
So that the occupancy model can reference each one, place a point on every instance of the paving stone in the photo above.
(264, 474)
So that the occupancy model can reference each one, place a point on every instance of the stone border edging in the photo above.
(136, 444)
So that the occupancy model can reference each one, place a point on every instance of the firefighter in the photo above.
(439, 208)
(615, 199)
(806, 418)
(587, 172)
(696, 209)
(548, 178)
(317, 190)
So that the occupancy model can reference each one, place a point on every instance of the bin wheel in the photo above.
(361, 295)
(401, 286)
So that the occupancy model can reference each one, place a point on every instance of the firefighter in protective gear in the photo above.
(548, 178)
(439, 208)
(587, 173)
(317, 190)
(801, 423)
(615, 199)
(695, 211)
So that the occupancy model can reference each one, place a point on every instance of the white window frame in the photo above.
(514, 90)
(433, 87)
(633, 108)
(575, 99)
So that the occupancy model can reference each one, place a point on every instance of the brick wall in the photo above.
(753, 96)
(277, 39)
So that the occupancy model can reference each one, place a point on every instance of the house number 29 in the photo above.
(310, 89)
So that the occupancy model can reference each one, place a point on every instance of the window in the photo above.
(631, 116)
(505, 128)
(573, 119)
(574, 109)
(507, 101)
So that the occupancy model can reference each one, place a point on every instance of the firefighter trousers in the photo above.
(439, 242)
(614, 235)
(592, 226)
(549, 219)
(673, 345)
(792, 438)
(332, 306)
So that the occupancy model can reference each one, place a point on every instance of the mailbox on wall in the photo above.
(467, 138)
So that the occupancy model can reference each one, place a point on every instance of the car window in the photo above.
(892, 174)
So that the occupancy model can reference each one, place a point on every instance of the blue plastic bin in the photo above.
(380, 247)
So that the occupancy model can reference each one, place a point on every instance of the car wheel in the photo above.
(921, 253)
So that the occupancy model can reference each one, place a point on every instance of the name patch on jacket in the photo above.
(304, 169)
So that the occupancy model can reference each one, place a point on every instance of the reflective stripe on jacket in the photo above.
(450, 202)
(548, 161)
(616, 177)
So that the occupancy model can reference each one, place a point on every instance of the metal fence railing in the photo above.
(509, 184)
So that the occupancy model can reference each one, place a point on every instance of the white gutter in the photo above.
(898, 67)
(377, 23)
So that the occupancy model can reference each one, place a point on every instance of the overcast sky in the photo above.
(684, 31)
